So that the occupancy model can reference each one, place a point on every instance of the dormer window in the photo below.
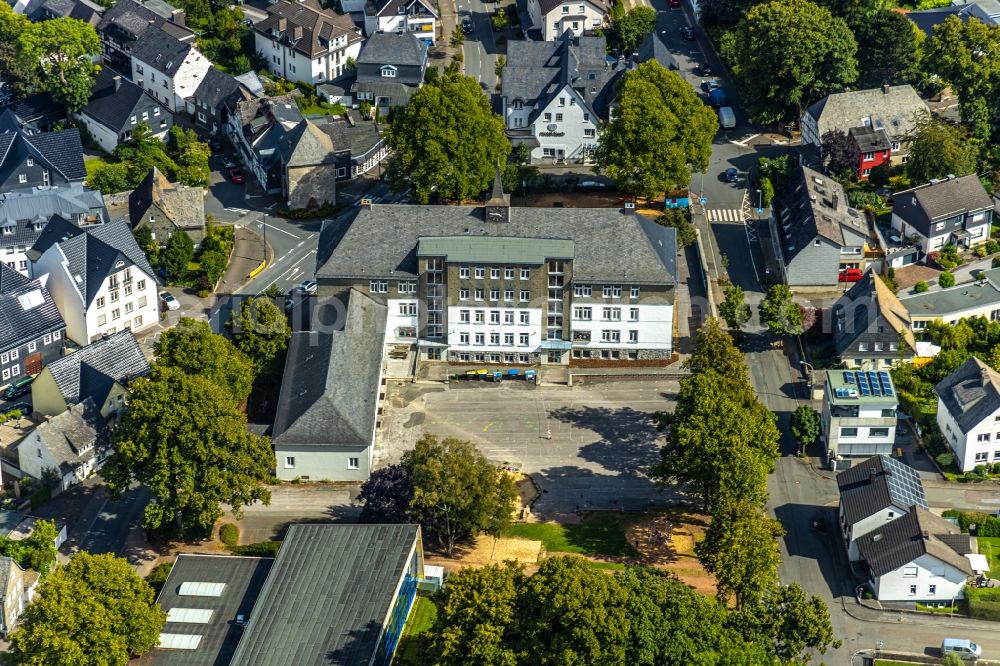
(565, 9)
(388, 71)
(8, 231)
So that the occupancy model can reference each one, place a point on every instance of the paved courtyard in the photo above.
(602, 437)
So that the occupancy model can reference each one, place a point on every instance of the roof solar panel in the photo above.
(865, 390)
(849, 377)
(888, 391)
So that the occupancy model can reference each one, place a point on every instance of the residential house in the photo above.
(24, 215)
(70, 446)
(895, 109)
(815, 233)
(38, 112)
(163, 207)
(986, 11)
(874, 149)
(951, 211)
(248, 610)
(968, 414)
(168, 68)
(872, 329)
(503, 284)
(417, 16)
(390, 69)
(555, 95)
(302, 41)
(31, 329)
(918, 558)
(215, 96)
(38, 159)
(126, 21)
(972, 299)
(18, 588)
(859, 413)
(100, 371)
(89, 12)
(117, 106)
(874, 492)
(553, 18)
(99, 278)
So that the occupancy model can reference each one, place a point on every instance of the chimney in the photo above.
(629, 208)
(179, 17)
(926, 535)
(835, 201)
(366, 204)
(885, 89)
(118, 82)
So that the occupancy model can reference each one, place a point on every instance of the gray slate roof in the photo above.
(896, 109)
(389, 48)
(611, 245)
(865, 307)
(318, 405)
(35, 207)
(183, 205)
(921, 206)
(878, 483)
(308, 28)
(390, 7)
(92, 370)
(328, 593)
(161, 50)
(21, 319)
(817, 207)
(971, 393)
(653, 48)
(110, 107)
(76, 435)
(243, 578)
(903, 540)
(133, 18)
(62, 151)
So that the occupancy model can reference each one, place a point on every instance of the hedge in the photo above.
(986, 525)
(984, 603)
(262, 549)
(229, 534)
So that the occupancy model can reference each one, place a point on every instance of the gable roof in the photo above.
(131, 19)
(897, 109)
(27, 310)
(91, 370)
(76, 435)
(328, 594)
(217, 87)
(82, 10)
(817, 207)
(860, 309)
(37, 108)
(921, 206)
(971, 393)
(62, 151)
(184, 206)
(390, 48)
(918, 532)
(30, 212)
(305, 26)
(392, 7)
(653, 48)
(878, 483)
(316, 406)
(547, 6)
(113, 100)
(161, 51)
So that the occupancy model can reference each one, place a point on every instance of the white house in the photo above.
(968, 413)
(416, 16)
(859, 413)
(950, 211)
(555, 17)
(72, 445)
(168, 69)
(304, 42)
(98, 277)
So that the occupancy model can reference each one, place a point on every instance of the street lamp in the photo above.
(809, 372)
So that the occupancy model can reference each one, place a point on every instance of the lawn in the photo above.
(597, 535)
(990, 547)
(422, 617)
(319, 109)
(92, 164)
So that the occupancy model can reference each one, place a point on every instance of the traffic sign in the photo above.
(703, 200)
(760, 211)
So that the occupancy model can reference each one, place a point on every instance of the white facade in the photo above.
(293, 65)
(15, 256)
(565, 129)
(854, 532)
(926, 579)
(108, 140)
(402, 321)
(127, 299)
(577, 16)
(173, 90)
(597, 326)
(416, 17)
(979, 446)
(978, 233)
(477, 327)
(34, 457)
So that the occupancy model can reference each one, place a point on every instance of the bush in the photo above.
(995, 468)
(229, 535)
(946, 280)
(945, 460)
(262, 549)
(984, 603)
(989, 526)
(992, 247)
(158, 576)
(920, 287)
(981, 251)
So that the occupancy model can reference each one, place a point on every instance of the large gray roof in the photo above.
(30, 210)
(816, 206)
(62, 151)
(389, 48)
(27, 310)
(329, 391)
(897, 109)
(76, 435)
(611, 245)
(161, 50)
(327, 596)
(306, 26)
(876, 484)
(113, 102)
(971, 393)
(922, 205)
(91, 370)
(919, 532)
(957, 300)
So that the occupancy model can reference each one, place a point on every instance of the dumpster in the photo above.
(497, 376)
(529, 375)
(471, 374)
(483, 374)
(513, 373)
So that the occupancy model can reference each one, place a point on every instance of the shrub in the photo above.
(995, 468)
(981, 251)
(229, 534)
(920, 287)
(945, 460)
(992, 247)
(983, 603)
(158, 576)
(261, 549)
(946, 279)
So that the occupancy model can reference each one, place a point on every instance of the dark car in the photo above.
(687, 33)
(18, 387)
(467, 25)
(674, 3)
(703, 70)
(732, 175)
(215, 145)
(236, 176)
(708, 85)
(25, 408)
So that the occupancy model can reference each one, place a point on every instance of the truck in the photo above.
(718, 98)
(727, 118)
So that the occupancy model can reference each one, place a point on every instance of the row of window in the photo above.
(872, 432)
(984, 456)
(116, 313)
(607, 291)
(606, 354)
(482, 357)
(523, 339)
(606, 336)
(382, 286)
(352, 463)
(479, 317)
(15, 354)
(480, 295)
(13, 371)
(878, 346)
(480, 272)
(114, 296)
(607, 314)
(22, 264)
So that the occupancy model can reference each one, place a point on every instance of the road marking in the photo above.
(301, 243)
(724, 215)
(271, 226)
(304, 257)
(744, 141)
(241, 211)
(746, 227)
(487, 428)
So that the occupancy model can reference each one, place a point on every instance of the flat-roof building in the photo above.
(859, 413)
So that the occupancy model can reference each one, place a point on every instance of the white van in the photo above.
(965, 649)
(727, 118)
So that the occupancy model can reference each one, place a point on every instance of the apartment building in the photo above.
(859, 413)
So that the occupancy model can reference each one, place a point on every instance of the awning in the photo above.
(429, 343)
(978, 562)
(557, 344)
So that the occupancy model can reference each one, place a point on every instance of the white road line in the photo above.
(724, 215)
(271, 226)
(746, 228)
(744, 141)
(301, 243)
(305, 256)
(241, 211)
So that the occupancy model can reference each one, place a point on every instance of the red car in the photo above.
(849, 275)
(236, 176)
(674, 3)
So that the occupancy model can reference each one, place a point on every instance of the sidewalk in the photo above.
(248, 252)
(938, 621)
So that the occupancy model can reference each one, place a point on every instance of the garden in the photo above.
(182, 265)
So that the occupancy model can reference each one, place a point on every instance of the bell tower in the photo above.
(497, 207)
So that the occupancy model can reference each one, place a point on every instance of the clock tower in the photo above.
(497, 208)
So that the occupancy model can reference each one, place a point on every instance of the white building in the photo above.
(98, 277)
(950, 211)
(859, 413)
(416, 16)
(71, 446)
(304, 42)
(968, 413)
(168, 69)
(555, 17)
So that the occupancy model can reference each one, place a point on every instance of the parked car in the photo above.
(718, 98)
(849, 275)
(18, 387)
(307, 287)
(227, 162)
(727, 119)
(674, 4)
(169, 302)
(708, 85)
(236, 176)
(964, 648)
(703, 70)
(731, 175)
(467, 25)
(687, 33)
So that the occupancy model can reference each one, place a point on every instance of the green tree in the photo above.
(477, 611)
(631, 29)
(888, 49)
(93, 610)
(946, 279)
(679, 219)
(64, 50)
(191, 155)
(952, 659)
(779, 313)
(21, 76)
(185, 439)
(660, 131)
(213, 265)
(446, 142)
(457, 492)
(261, 331)
(733, 308)
(111, 178)
(805, 425)
(741, 549)
(194, 349)
(791, 622)
(714, 349)
(786, 54)
(177, 256)
(938, 149)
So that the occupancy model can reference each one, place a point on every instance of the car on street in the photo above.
(849, 275)
(708, 85)
(18, 387)
(687, 33)
(731, 175)
(467, 25)
(703, 70)
(674, 4)
(169, 302)
(236, 176)
(307, 287)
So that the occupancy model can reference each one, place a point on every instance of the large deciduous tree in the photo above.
(786, 54)
(457, 492)
(446, 142)
(733, 309)
(386, 495)
(791, 621)
(177, 256)
(938, 149)
(659, 132)
(631, 29)
(93, 610)
(194, 349)
(64, 50)
(779, 313)
(714, 350)
(887, 49)
(840, 153)
(262, 332)
(805, 425)
(184, 438)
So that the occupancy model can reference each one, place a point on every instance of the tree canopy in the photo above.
(629, 31)
(888, 49)
(446, 142)
(184, 438)
(779, 313)
(733, 309)
(786, 54)
(262, 332)
(64, 50)
(938, 149)
(93, 610)
(660, 131)
(37, 552)
(805, 425)
(177, 256)
(840, 153)
(386, 495)
(194, 349)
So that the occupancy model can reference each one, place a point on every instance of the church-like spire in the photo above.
(498, 207)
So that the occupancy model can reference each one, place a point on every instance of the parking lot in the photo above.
(602, 437)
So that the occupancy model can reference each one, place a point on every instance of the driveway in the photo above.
(306, 503)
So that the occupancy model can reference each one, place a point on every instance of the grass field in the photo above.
(990, 547)
(422, 617)
(597, 535)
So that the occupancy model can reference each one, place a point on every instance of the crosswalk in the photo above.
(725, 215)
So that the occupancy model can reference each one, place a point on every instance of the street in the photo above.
(479, 49)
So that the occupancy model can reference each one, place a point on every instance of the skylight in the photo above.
(190, 615)
(199, 589)
(180, 641)
(31, 299)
